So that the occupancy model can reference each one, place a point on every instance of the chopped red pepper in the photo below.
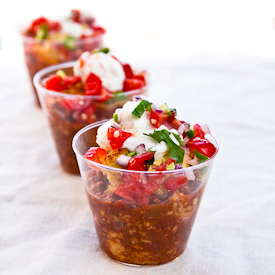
(117, 137)
(128, 71)
(54, 83)
(203, 146)
(93, 85)
(132, 84)
(138, 162)
(157, 118)
(95, 154)
(198, 131)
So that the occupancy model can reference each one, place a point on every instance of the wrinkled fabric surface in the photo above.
(46, 225)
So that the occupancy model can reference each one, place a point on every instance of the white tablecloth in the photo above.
(46, 225)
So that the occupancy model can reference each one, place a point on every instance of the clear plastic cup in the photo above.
(42, 53)
(149, 229)
(68, 113)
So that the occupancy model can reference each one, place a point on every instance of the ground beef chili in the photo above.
(148, 234)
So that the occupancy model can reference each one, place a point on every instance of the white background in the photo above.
(165, 29)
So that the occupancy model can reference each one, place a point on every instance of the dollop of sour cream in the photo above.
(136, 126)
(75, 29)
(109, 70)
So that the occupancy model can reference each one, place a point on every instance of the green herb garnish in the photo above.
(171, 166)
(115, 117)
(149, 108)
(140, 109)
(175, 151)
(42, 32)
(103, 50)
(200, 156)
(131, 154)
(152, 160)
(69, 42)
(190, 134)
(177, 137)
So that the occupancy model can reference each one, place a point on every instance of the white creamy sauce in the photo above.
(75, 29)
(105, 67)
(136, 126)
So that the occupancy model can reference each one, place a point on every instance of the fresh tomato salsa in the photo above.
(47, 42)
(90, 91)
(145, 200)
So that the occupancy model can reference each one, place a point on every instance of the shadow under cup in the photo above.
(143, 229)
(68, 113)
(42, 53)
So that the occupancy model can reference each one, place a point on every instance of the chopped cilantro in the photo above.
(171, 166)
(131, 154)
(190, 134)
(103, 50)
(200, 156)
(177, 137)
(175, 151)
(69, 42)
(115, 117)
(140, 109)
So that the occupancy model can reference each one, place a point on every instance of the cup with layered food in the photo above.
(48, 42)
(75, 94)
(144, 176)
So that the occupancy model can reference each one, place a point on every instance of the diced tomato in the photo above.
(172, 117)
(157, 118)
(162, 167)
(140, 77)
(54, 26)
(95, 154)
(75, 103)
(133, 191)
(153, 183)
(36, 23)
(128, 71)
(71, 80)
(87, 116)
(203, 146)
(175, 182)
(176, 123)
(138, 162)
(132, 84)
(93, 85)
(76, 16)
(117, 137)
(98, 30)
(54, 83)
(198, 131)
(104, 95)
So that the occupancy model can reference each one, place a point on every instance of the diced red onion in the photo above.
(182, 128)
(168, 125)
(140, 148)
(186, 149)
(178, 166)
(190, 161)
(190, 174)
(159, 111)
(123, 160)
(138, 97)
(185, 141)
(205, 129)
(115, 125)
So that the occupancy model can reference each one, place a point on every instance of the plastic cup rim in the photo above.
(113, 169)
(66, 65)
